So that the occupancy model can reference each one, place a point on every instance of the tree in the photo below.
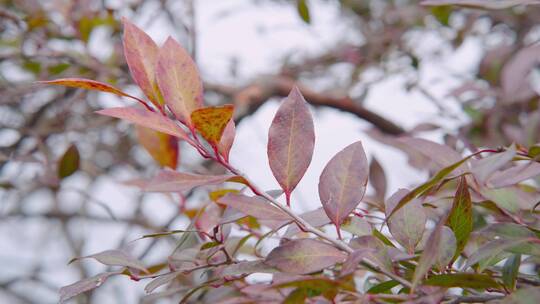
(484, 215)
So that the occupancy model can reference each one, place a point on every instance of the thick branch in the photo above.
(248, 99)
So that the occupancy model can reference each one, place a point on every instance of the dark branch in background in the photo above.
(248, 99)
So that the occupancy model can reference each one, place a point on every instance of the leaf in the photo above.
(408, 224)
(141, 53)
(254, 206)
(418, 191)
(173, 181)
(315, 218)
(69, 162)
(354, 258)
(377, 253)
(357, 226)
(162, 147)
(377, 179)
(510, 271)
(147, 119)
(342, 183)
(483, 4)
(115, 258)
(461, 215)
(227, 140)
(384, 287)
(70, 291)
(303, 10)
(245, 267)
(161, 280)
(178, 80)
(483, 168)
(515, 82)
(515, 175)
(304, 256)
(430, 253)
(463, 280)
(316, 286)
(447, 249)
(528, 295)
(291, 140)
(211, 122)
(89, 84)
(442, 155)
(492, 249)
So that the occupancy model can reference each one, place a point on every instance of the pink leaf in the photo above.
(407, 225)
(70, 291)
(172, 181)
(115, 258)
(343, 182)
(227, 140)
(442, 155)
(141, 54)
(254, 206)
(316, 218)
(514, 175)
(179, 81)
(146, 119)
(304, 256)
(515, 81)
(484, 168)
(349, 266)
(290, 141)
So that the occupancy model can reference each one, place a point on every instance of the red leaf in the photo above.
(162, 147)
(141, 54)
(178, 80)
(89, 84)
(290, 141)
(147, 119)
(254, 206)
(227, 140)
(343, 182)
(172, 181)
(304, 256)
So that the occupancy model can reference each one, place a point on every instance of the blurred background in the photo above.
(372, 70)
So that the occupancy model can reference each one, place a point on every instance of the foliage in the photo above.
(315, 264)
(472, 226)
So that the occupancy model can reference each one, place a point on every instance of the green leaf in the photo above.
(303, 10)
(463, 280)
(418, 191)
(211, 122)
(69, 162)
(442, 14)
(510, 271)
(461, 215)
(209, 245)
(383, 287)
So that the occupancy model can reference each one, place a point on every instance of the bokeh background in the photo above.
(373, 70)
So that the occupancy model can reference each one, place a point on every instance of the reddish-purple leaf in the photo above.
(447, 248)
(70, 291)
(146, 119)
(514, 175)
(141, 54)
(254, 206)
(162, 147)
(407, 225)
(304, 256)
(430, 255)
(227, 140)
(316, 218)
(178, 80)
(343, 182)
(515, 82)
(245, 267)
(377, 179)
(173, 181)
(378, 252)
(290, 141)
(89, 84)
(349, 266)
(484, 168)
(115, 258)
(442, 155)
